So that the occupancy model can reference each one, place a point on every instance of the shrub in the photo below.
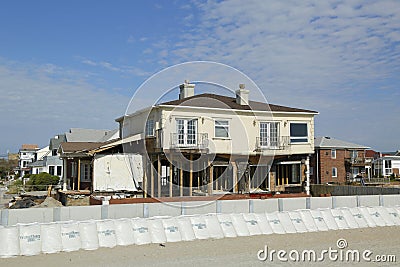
(42, 180)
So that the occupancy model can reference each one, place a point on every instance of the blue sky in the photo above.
(66, 64)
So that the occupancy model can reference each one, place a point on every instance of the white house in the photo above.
(213, 144)
(386, 166)
(26, 154)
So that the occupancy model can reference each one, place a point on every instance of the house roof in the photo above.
(74, 147)
(28, 147)
(57, 140)
(329, 142)
(225, 102)
(86, 135)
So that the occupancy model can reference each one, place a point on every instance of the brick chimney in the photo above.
(186, 90)
(242, 95)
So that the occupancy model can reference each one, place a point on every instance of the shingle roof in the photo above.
(56, 141)
(328, 142)
(86, 135)
(225, 102)
(71, 147)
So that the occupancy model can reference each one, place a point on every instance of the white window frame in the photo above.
(293, 138)
(186, 131)
(269, 138)
(225, 127)
(150, 127)
(333, 153)
(334, 172)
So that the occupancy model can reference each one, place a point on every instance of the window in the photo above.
(51, 170)
(222, 128)
(86, 172)
(333, 153)
(334, 172)
(150, 128)
(353, 154)
(269, 133)
(298, 133)
(186, 131)
(388, 167)
(59, 170)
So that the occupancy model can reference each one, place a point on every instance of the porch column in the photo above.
(191, 175)
(151, 177)
(65, 168)
(210, 182)
(235, 177)
(308, 175)
(171, 171)
(144, 177)
(158, 176)
(79, 174)
(181, 182)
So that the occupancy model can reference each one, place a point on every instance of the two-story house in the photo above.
(27, 154)
(337, 161)
(214, 144)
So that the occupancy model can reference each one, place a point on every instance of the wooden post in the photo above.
(235, 177)
(158, 176)
(144, 177)
(210, 183)
(79, 174)
(191, 175)
(151, 178)
(181, 182)
(171, 172)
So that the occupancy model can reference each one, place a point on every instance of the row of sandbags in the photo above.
(35, 238)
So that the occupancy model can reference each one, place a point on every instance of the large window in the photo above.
(51, 170)
(86, 172)
(269, 133)
(150, 128)
(298, 132)
(222, 128)
(388, 166)
(186, 131)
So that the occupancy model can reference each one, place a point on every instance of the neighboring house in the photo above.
(387, 165)
(27, 154)
(211, 144)
(338, 161)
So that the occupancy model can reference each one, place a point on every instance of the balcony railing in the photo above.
(279, 143)
(356, 161)
(190, 141)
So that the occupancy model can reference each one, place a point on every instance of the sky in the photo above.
(71, 64)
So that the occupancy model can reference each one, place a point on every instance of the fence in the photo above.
(145, 210)
(347, 190)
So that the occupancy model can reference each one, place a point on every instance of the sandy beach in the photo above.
(240, 251)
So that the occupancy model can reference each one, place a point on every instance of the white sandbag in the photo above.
(225, 221)
(141, 233)
(185, 225)
(124, 232)
(308, 220)
(252, 223)
(367, 216)
(199, 227)
(298, 222)
(329, 219)
(51, 237)
(386, 216)
(9, 242)
(156, 229)
(30, 242)
(348, 216)
(240, 225)
(171, 229)
(376, 216)
(286, 222)
(89, 236)
(394, 214)
(339, 219)
(263, 224)
(359, 217)
(213, 226)
(275, 223)
(70, 236)
(319, 220)
(106, 233)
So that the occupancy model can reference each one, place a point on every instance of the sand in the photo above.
(240, 251)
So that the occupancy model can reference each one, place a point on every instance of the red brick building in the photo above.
(336, 161)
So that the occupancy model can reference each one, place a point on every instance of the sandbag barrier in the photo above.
(35, 238)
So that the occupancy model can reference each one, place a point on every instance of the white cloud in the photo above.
(324, 55)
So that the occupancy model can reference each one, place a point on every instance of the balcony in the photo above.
(356, 161)
(189, 141)
(279, 143)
